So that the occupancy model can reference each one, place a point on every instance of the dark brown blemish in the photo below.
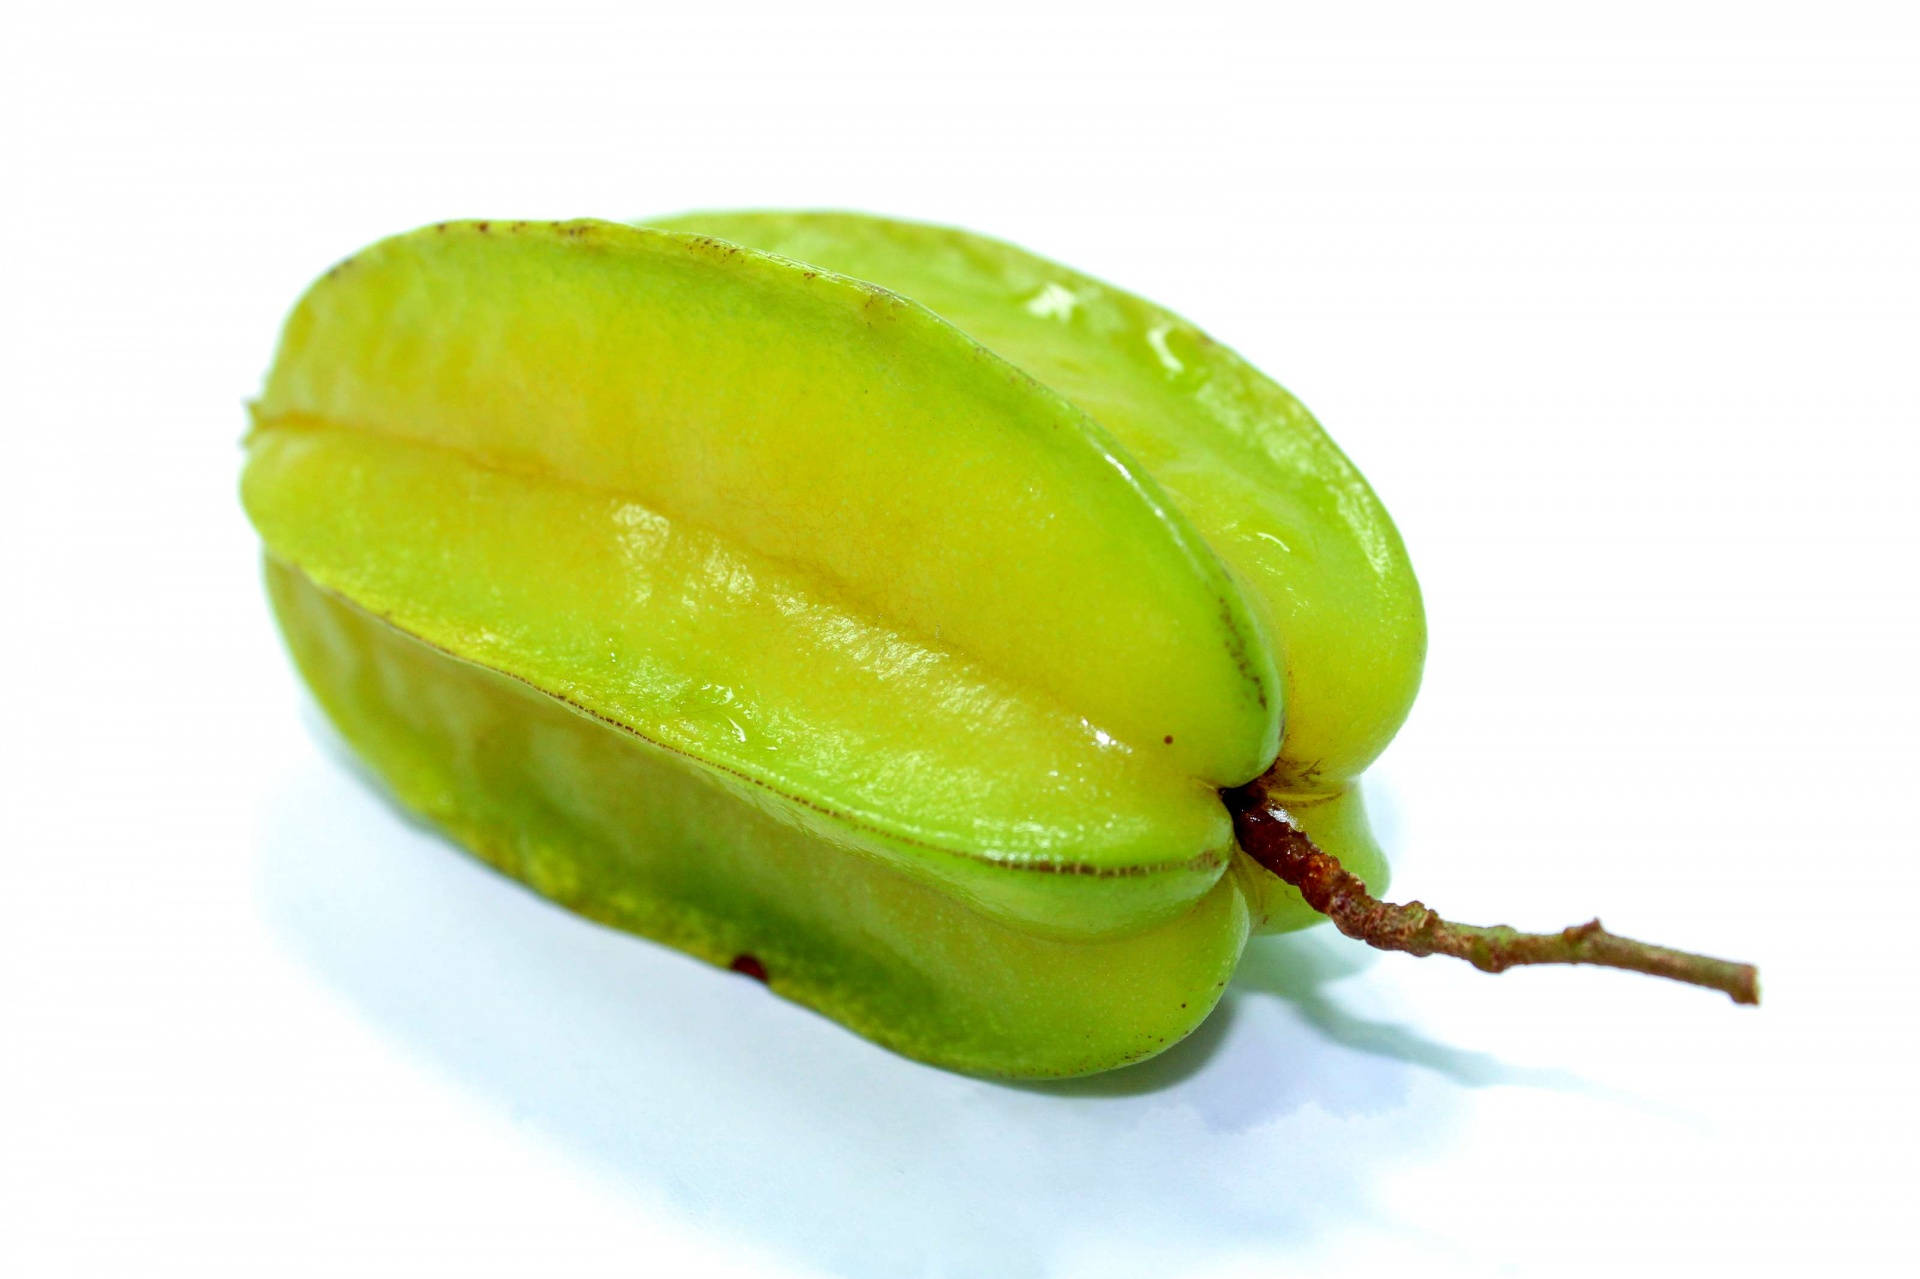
(748, 966)
(481, 227)
(1298, 776)
(1167, 740)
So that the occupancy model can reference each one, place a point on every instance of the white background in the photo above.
(1618, 312)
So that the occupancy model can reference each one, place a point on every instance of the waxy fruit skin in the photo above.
(897, 650)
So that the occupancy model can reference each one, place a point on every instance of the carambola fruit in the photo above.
(873, 608)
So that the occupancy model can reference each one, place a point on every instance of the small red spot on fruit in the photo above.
(1168, 739)
(748, 966)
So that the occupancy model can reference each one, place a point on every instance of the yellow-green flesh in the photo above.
(752, 608)
(626, 833)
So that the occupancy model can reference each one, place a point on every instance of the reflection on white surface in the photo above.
(766, 1122)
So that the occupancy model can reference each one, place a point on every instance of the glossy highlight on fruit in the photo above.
(874, 608)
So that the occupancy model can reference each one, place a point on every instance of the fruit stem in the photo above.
(1268, 834)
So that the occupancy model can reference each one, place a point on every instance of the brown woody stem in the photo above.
(1269, 836)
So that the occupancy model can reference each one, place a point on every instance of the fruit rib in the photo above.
(620, 831)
